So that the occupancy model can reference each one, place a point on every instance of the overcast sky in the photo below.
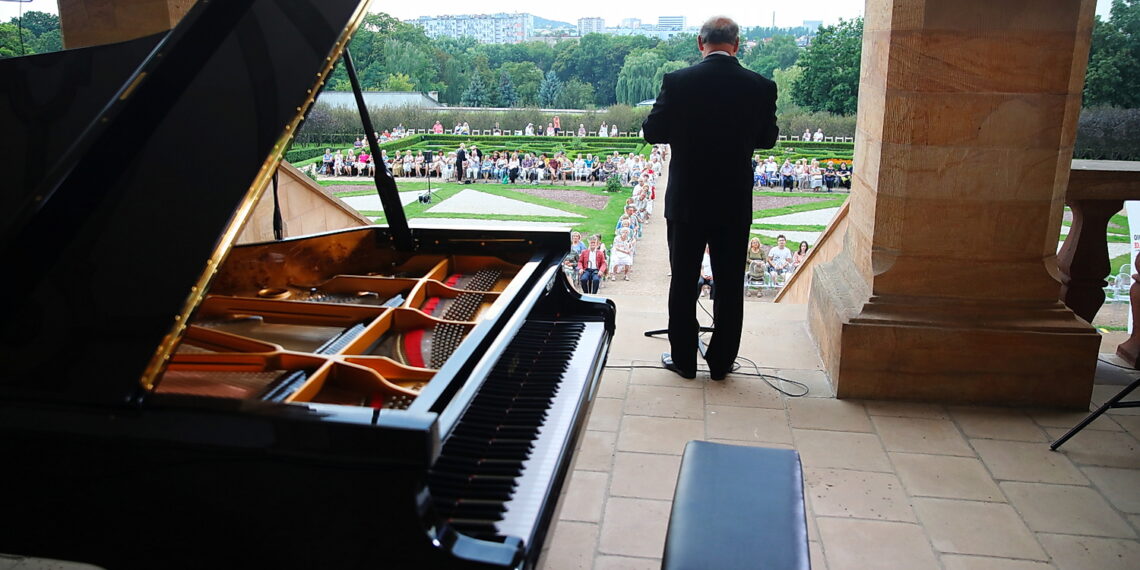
(755, 13)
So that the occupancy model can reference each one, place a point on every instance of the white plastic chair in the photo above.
(1119, 286)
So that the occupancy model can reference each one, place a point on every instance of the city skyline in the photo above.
(757, 14)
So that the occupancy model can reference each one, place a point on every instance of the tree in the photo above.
(635, 81)
(508, 96)
(681, 47)
(575, 95)
(765, 32)
(830, 80)
(49, 41)
(1113, 77)
(526, 77)
(454, 78)
(386, 26)
(779, 52)
(667, 67)
(398, 82)
(38, 23)
(477, 94)
(785, 79)
(597, 59)
(10, 41)
(409, 60)
(549, 90)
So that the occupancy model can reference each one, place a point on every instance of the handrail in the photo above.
(823, 255)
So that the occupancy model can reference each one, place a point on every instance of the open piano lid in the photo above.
(110, 251)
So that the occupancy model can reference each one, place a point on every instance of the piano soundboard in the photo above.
(371, 339)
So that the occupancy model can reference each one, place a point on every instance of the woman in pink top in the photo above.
(362, 164)
(800, 255)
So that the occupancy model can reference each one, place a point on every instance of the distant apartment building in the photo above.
(670, 22)
(632, 23)
(591, 26)
(485, 28)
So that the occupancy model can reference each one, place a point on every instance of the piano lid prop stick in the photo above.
(385, 183)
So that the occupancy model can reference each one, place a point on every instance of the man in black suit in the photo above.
(460, 159)
(713, 115)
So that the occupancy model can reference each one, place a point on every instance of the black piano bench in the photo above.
(737, 507)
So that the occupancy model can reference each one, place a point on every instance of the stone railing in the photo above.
(797, 289)
(1097, 190)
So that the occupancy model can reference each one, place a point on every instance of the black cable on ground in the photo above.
(1121, 366)
(768, 378)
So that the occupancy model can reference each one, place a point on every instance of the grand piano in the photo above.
(371, 398)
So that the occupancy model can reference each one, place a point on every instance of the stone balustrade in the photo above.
(1097, 190)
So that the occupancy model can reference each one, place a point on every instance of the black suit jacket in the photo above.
(713, 114)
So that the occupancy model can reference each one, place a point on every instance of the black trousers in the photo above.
(590, 281)
(728, 250)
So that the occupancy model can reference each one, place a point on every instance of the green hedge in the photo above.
(1106, 133)
(341, 125)
(449, 143)
(572, 146)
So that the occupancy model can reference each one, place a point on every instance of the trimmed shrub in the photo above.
(793, 123)
(341, 125)
(1108, 133)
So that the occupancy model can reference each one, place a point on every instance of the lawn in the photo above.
(595, 221)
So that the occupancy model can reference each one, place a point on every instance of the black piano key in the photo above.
(477, 529)
(444, 493)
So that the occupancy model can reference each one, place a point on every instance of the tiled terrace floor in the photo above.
(889, 485)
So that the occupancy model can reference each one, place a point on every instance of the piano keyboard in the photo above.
(495, 474)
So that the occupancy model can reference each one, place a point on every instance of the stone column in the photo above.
(94, 22)
(947, 288)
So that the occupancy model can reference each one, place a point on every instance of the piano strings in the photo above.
(369, 340)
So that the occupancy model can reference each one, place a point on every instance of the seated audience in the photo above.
(779, 260)
(577, 246)
(706, 278)
(757, 264)
(592, 265)
(622, 257)
(799, 256)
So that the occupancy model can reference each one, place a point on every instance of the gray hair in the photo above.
(719, 30)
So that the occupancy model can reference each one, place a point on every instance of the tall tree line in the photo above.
(36, 32)
(599, 70)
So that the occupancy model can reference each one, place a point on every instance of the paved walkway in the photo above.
(889, 485)
(468, 201)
